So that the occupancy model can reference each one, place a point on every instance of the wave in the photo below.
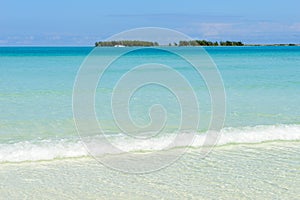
(74, 148)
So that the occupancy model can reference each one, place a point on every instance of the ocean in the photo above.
(44, 155)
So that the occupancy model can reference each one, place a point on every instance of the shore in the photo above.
(230, 172)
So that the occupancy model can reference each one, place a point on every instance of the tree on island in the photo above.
(131, 43)
(128, 43)
(231, 43)
(209, 43)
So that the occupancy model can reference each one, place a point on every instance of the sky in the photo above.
(82, 23)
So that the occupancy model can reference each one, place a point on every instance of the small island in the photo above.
(209, 43)
(132, 43)
(140, 43)
(128, 43)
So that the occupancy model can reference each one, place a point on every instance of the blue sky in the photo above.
(77, 22)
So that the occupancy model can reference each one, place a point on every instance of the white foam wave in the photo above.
(63, 148)
(259, 134)
(41, 150)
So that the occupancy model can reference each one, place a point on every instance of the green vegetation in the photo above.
(128, 43)
(197, 43)
(209, 43)
(231, 43)
(274, 45)
(131, 43)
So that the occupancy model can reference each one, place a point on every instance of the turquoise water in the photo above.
(261, 83)
(262, 87)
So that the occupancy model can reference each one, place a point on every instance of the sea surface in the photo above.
(42, 155)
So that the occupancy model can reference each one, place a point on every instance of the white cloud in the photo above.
(295, 27)
(2, 42)
(248, 31)
(214, 29)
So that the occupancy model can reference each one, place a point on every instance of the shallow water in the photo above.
(263, 171)
(257, 155)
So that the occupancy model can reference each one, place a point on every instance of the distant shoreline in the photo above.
(188, 43)
(279, 45)
(69, 46)
(245, 45)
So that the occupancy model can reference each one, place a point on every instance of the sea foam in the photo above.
(73, 148)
